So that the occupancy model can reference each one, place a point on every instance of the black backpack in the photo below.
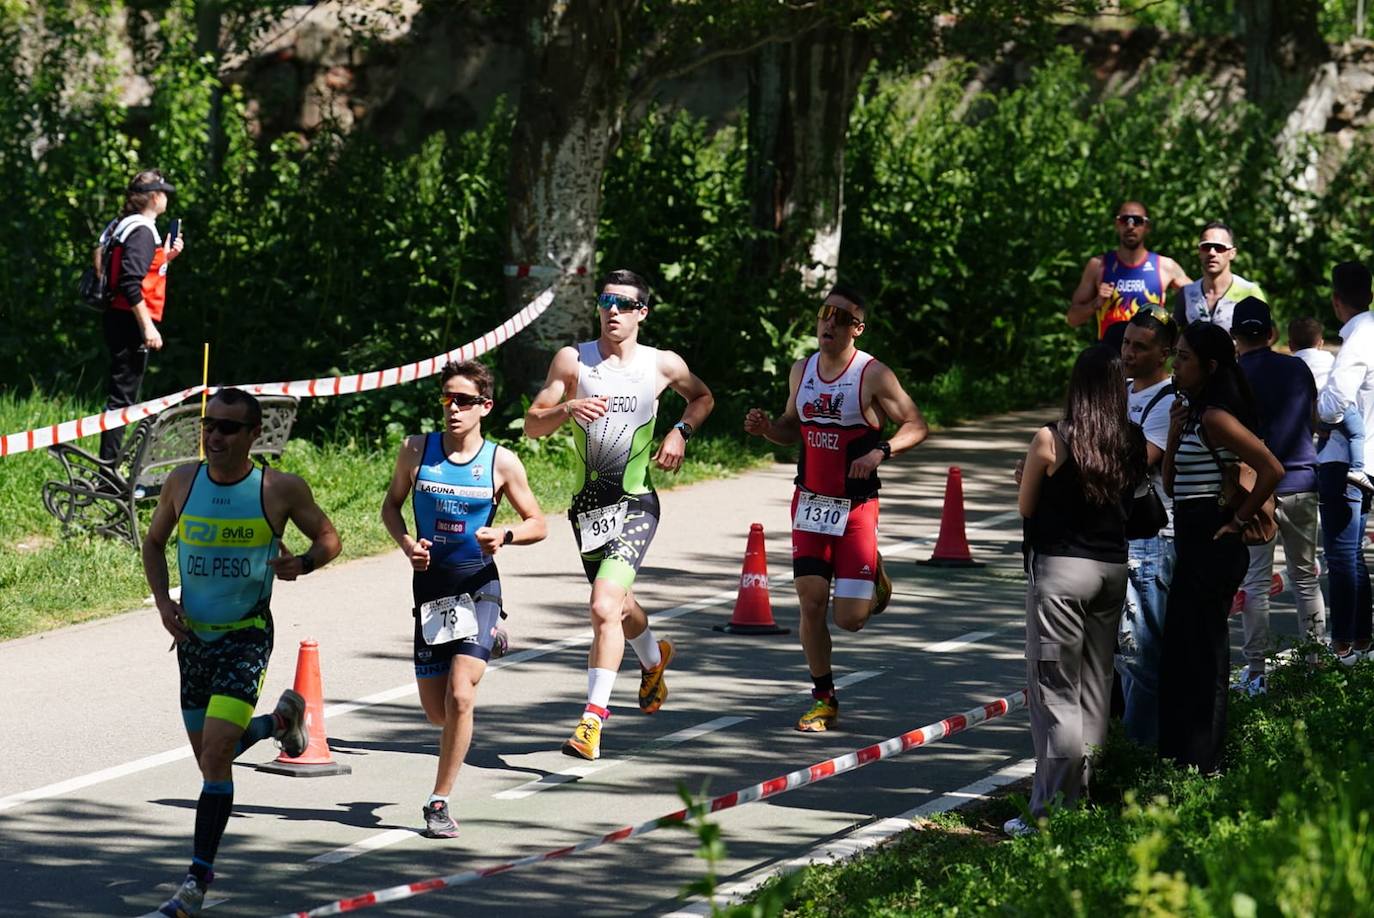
(94, 287)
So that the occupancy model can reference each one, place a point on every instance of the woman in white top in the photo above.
(1211, 430)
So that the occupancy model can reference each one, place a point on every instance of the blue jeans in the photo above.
(1150, 570)
(1343, 515)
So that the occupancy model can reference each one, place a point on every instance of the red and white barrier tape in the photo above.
(24, 441)
(922, 736)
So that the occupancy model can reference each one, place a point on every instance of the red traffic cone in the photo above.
(316, 761)
(753, 611)
(951, 548)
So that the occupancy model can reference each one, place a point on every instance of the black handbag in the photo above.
(1145, 513)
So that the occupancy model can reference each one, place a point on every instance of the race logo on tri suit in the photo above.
(1133, 286)
(615, 448)
(834, 429)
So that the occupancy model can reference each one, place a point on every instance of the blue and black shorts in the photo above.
(479, 580)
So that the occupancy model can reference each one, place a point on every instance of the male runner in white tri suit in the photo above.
(837, 402)
(611, 387)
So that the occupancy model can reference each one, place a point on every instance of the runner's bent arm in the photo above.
(700, 401)
(786, 428)
(402, 480)
(1086, 296)
(515, 485)
(548, 411)
(302, 510)
(155, 548)
(893, 401)
(1174, 276)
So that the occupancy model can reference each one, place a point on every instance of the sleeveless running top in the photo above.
(1136, 285)
(224, 542)
(615, 448)
(1194, 307)
(834, 430)
(452, 501)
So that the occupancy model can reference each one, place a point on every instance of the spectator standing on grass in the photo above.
(1212, 427)
(1286, 396)
(1077, 475)
(1145, 351)
(1116, 284)
(1307, 344)
(1213, 297)
(138, 279)
(1348, 394)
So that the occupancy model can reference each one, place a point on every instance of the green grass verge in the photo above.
(1285, 830)
(48, 580)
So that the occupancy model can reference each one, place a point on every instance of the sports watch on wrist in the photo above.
(307, 563)
(683, 428)
(509, 537)
(886, 448)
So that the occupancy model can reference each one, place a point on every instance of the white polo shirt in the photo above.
(1350, 387)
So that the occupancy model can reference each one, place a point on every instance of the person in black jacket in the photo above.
(138, 278)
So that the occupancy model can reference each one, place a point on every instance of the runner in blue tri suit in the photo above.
(229, 516)
(455, 479)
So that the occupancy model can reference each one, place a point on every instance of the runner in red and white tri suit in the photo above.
(838, 401)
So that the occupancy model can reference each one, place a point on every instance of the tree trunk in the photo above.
(572, 100)
(800, 98)
(209, 24)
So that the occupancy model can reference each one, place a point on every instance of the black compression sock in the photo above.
(212, 816)
(824, 686)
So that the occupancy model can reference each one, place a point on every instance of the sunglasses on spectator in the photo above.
(1205, 247)
(842, 317)
(223, 425)
(462, 400)
(1132, 219)
(615, 300)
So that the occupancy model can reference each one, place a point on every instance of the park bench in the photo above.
(103, 497)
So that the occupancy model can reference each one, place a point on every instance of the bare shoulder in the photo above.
(179, 481)
(507, 462)
(291, 490)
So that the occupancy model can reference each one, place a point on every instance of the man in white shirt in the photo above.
(1145, 349)
(1344, 508)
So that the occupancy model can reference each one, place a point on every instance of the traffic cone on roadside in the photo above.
(951, 548)
(316, 761)
(753, 610)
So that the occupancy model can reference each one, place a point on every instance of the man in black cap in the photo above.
(138, 263)
(1285, 395)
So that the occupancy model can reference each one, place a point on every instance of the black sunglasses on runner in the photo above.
(223, 425)
(1133, 219)
(622, 303)
(843, 317)
(462, 400)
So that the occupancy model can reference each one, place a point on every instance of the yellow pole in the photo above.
(204, 392)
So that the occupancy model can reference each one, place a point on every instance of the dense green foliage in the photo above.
(1285, 830)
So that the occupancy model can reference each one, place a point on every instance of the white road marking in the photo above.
(959, 643)
(338, 710)
(868, 837)
(372, 843)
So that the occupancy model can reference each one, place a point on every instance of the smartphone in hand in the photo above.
(173, 231)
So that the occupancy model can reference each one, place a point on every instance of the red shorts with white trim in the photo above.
(850, 559)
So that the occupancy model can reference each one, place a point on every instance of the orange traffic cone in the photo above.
(316, 761)
(753, 611)
(951, 548)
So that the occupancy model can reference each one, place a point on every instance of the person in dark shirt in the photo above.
(1285, 394)
(138, 277)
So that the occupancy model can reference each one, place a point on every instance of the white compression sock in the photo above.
(646, 648)
(599, 685)
(436, 798)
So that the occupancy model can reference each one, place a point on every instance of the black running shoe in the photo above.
(294, 735)
(438, 822)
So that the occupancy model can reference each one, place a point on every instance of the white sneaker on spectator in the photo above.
(1359, 479)
(1017, 827)
(1242, 679)
(1350, 657)
(1255, 685)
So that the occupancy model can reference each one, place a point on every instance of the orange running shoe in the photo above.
(882, 588)
(653, 688)
(821, 716)
(585, 743)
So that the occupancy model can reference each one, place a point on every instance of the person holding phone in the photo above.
(138, 278)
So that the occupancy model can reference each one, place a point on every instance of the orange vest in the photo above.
(154, 285)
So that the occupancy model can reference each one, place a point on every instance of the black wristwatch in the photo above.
(509, 537)
(886, 447)
(685, 429)
(307, 563)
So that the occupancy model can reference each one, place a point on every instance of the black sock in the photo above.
(212, 815)
(258, 729)
(825, 686)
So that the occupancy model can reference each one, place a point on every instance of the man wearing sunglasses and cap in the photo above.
(837, 403)
(229, 516)
(138, 279)
(1213, 297)
(610, 388)
(1116, 284)
(456, 478)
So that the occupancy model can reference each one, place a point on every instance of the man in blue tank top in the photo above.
(455, 479)
(1116, 284)
(229, 516)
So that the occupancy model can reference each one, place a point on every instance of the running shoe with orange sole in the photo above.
(821, 716)
(585, 743)
(653, 688)
(882, 588)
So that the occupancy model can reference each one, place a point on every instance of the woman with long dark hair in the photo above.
(1078, 475)
(1212, 430)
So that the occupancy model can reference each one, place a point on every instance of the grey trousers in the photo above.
(1296, 515)
(1073, 607)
